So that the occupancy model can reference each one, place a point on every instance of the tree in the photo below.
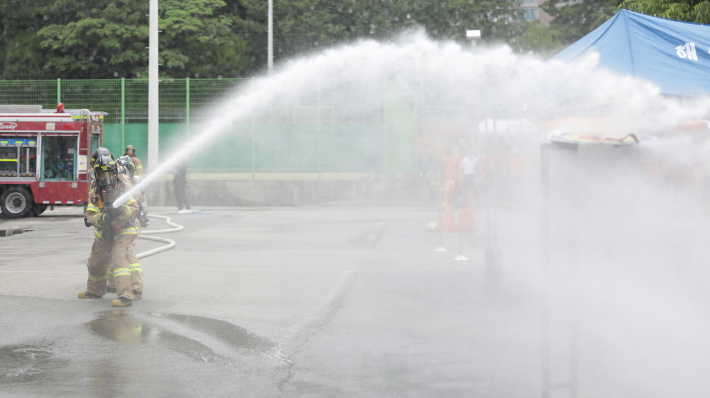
(20, 53)
(109, 39)
(211, 38)
(685, 10)
(198, 39)
(570, 23)
(306, 25)
(104, 39)
(537, 39)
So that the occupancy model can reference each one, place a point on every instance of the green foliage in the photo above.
(570, 23)
(24, 58)
(537, 39)
(105, 40)
(198, 39)
(685, 10)
(20, 53)
(573, 21)
(308, 25)
(211, 38)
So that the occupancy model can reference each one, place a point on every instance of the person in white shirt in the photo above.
(469, 165)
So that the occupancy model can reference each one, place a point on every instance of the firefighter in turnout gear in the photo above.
(131, 151)
(129, 170)
(129, 180)
(114, 230)
(99, 152)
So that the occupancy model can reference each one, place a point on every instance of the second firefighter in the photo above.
(115, 230)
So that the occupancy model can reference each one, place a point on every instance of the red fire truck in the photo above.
(44, 157)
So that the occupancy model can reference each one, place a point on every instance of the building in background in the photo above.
(533, 11)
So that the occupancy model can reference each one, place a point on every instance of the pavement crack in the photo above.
(302, 334)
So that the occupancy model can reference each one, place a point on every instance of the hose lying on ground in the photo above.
(170, 243)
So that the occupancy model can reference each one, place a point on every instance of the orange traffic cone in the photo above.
(448, 222)
(448, 193)
(468, 224)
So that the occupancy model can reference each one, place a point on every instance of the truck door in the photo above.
(58, 169)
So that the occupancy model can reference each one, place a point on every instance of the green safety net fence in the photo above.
(297, 142)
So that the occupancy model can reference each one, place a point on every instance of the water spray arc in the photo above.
(467, 86)
(496, 76)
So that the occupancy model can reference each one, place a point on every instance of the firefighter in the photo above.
(129, 180)
(114, 230)
(100, 151)
(131, 151)
(180, 185)
(129, 167)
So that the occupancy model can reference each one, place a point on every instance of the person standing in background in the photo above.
(469, 166)
(449, 165)
(131, 151)
(180, 185)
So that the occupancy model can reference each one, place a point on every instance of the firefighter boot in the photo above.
(86, 295)
(122, 302)
(137, 295)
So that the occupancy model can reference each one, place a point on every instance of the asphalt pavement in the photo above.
(339, 300)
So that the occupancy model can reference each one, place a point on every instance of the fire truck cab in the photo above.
(44, 157)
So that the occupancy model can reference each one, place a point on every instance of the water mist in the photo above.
(639, 248)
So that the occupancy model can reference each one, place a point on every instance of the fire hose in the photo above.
(170, 243)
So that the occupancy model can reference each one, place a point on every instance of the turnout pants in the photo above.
(110, 258)
(180, 188)
(134, 266)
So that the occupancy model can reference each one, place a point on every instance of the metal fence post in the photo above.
(123, 112)
(545, 251)
(187, 105)
(59, 90)
(320, 135)
(385, 153)
(253, 146)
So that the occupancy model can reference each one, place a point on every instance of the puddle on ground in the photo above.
(25, 363)
(122, 326)
(231, 334)
(119, 325)
(14, 231)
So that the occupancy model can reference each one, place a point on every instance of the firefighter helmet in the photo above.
(128, 164)
(130, 148)
(106, 172)
(99, 152)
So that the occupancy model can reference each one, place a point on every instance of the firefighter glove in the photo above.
(116, 211)
(106, 218)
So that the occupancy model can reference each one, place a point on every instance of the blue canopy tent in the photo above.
(674, 55)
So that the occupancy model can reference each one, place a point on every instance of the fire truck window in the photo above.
(58, 158)
(18, 157)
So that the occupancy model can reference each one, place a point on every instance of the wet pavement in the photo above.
(328, 301)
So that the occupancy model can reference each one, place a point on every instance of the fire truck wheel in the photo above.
(16, 202)
(38, 209)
